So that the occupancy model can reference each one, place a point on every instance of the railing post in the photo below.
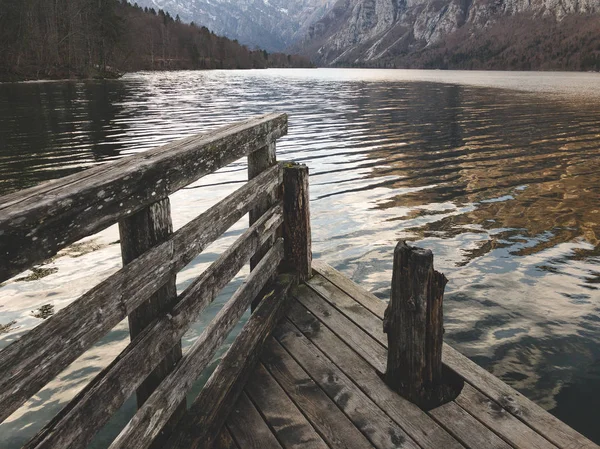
(258, 162)
(414, 325)
(140, 232)
(296, 221)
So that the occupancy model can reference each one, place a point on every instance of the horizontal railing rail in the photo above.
(38, 222)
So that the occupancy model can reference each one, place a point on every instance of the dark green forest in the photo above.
(55, 39)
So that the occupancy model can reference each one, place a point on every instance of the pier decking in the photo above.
(317, 385)
(305, 370)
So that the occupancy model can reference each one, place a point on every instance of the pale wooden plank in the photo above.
(426, 432)
(58, 341)
(467, 429)
(92, 407)
(347, 305)
(156, 411)
(527, 411)
(248, 428)
(372, 351)
(36, 223)
(201, 423)
(288, 423)
(331, 423)
(382, 432)
(498, 419)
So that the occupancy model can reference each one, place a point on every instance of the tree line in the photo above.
(42, 39)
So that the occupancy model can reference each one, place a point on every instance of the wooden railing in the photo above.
(36, 223)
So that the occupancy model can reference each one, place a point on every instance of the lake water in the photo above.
(498, 173)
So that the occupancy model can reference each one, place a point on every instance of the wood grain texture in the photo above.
(91, 408)
(201, 423)
(225, 440)
(467, 429)
(413, 322)
(259, 161)
(248, 427)
(36, 223)
(287, 421)
(156, 411)
(58, 341)
(521, 407)
(420, 427)
(324, 415)
(381, 431)
(296, 220)
(501, 421)
(140, 232)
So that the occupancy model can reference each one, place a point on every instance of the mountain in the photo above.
(487, 34)
(272, 25)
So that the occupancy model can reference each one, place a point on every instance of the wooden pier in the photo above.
(311, 366)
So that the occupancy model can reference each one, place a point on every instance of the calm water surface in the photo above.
(498, 173)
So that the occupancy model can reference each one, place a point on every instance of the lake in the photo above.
(498, 173)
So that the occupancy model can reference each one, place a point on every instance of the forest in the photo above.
(58, 39)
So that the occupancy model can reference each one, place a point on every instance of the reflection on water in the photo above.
(503, 185)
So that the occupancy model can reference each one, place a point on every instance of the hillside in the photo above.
(270, 24)
(458, 34)
(40, 39)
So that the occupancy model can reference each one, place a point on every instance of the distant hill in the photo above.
(270, 24)
(458, 34)
(41, 39)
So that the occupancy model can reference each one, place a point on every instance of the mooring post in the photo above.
(413, 323)
(140, 232)
(296, 221)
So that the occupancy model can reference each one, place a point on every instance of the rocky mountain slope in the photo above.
(272, 25)
(514, 34)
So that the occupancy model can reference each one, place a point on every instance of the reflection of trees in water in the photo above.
(511, 183)
(51, 130)
(530, 167)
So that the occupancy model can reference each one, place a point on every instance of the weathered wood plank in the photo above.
(530, 413)
(201, 423)
(288, 423)
(467, 429)
(331, 423)
(92, 407)
(519, 406)
(156, 411)
(36, 223)
(139, 233)
(345, 304)
(413, 322)
(499, 420)
(225, 440)
(426, 432)
(248, 428)
(57, 342)
(382, 432)
(355, 291)
(373, 351)
(296, 220)
(259, 161)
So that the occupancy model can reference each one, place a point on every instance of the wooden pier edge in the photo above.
(497, 393)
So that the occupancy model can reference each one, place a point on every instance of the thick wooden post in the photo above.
(140, 232)
(258, 162)
(296, 221)
(414, 326)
